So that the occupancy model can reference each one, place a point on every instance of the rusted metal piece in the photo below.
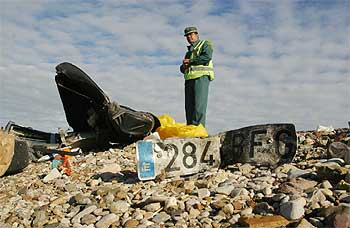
(7, 146)
(268, 144)
(14, 154)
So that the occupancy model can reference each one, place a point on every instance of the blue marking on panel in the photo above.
(146, 162)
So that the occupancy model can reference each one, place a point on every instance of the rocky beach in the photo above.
(103, 191)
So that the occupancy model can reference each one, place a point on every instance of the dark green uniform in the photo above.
(196, 90)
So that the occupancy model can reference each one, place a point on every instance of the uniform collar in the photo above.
(192, 46)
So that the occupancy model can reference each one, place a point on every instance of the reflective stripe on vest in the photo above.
(198, 71)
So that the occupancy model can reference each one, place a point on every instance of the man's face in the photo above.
(192, 37)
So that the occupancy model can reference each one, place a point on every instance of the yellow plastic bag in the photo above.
(169, 128)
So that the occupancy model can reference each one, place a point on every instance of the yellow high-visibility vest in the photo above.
(197, 71)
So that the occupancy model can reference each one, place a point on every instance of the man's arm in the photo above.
(182, 68)
(185, 63)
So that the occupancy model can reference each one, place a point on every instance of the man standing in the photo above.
(197, 68)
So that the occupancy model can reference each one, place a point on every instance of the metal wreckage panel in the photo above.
(269, 144)
(177, 156)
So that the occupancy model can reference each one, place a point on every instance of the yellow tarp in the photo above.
(169, 128)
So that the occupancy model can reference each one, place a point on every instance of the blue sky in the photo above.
(275, 61)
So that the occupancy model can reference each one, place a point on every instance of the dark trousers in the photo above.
(196, 100)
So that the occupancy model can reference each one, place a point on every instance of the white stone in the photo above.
(110, 168)
(107, 220)
(77, 225)
(161, 217)
(246, 212)
(203, 192)
(237, 193)
(326, 184)
(292, 210)
(259, 195)
(65, 221)
(53, 174)
(246, 168)
(119, 207)
(298, 199)
(171, 202)
(267, 191)
(295, 172)
(234, 218)
(138, 215)
(326, 192)
(225, 190)
(152, 207)
(317, 197)
(94, 182)
(194, 213)
(228, 209)
(285, 199)
(86, 211)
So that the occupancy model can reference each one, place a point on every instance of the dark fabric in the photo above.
(196, 100)
(81, 97)
(87, 108)
(129, 125)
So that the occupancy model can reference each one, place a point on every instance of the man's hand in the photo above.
(183, 68)
(185, 65)
(186, 62)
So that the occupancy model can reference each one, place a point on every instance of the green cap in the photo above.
(189, 30)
